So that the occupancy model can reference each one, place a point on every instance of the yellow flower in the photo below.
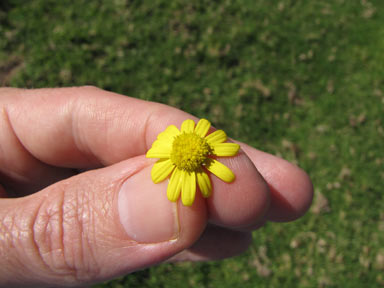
(186, 155)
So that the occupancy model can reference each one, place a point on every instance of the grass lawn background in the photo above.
(300, 79)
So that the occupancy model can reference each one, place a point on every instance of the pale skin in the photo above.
(65, 154)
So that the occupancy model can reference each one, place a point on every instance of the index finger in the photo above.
(85, 127)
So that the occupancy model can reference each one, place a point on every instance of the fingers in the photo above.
(290, 187)
(242, 203)
(92, 227)
(88, 127)
(84, 127)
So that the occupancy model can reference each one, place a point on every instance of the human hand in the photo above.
(84, 208)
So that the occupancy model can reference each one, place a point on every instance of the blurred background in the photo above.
(300, 79)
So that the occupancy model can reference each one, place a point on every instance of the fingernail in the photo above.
(145, 212)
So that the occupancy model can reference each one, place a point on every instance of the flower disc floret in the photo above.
(189, 151)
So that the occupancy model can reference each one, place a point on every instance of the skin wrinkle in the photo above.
(104, 210)
(73, 232)
(54, 258)
(105, 121)
(6, 240)
(26, 240)
(112, 114)
(84, 248)
(86, 220)
(69, 263)
(115, 119)
(70, 213)
(35, 243)
(59, 225)
(77, 109)
(54, 262)
(145, 129)
(97, 239)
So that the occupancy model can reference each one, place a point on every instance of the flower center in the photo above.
(189, 151)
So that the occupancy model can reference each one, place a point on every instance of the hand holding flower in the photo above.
(78, 204)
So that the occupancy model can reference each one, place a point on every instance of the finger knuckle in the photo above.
(63, 237)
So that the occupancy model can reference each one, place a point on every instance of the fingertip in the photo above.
(293, 201)
(291, 187)
(243, 202)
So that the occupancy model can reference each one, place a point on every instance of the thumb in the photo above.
(92, 227)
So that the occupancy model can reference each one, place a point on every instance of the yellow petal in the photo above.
(188, 188)
(220, 170)
(218, 136)
(158, 152)
(202, 127)
(160, 149)
(169, 133)
(188, 126)
(204, 183)
(162, 142)
(174, 186)
(161, 170)
(225, 149)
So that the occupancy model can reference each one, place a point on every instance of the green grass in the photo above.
(300, 79)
